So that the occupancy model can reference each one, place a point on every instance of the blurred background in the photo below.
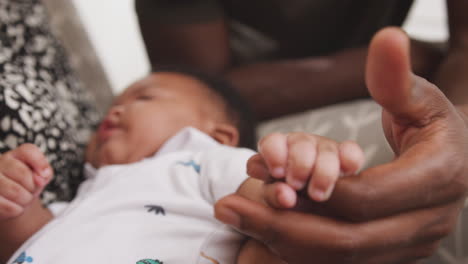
(114, 33)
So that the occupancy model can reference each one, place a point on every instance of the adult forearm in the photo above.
(289, 86)
(14, 232)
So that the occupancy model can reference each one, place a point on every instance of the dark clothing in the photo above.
(298, 27)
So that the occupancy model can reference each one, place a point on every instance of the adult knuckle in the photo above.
(347, 239)
(455, 176)
(349, 244)
(460, 181)
(434, 97)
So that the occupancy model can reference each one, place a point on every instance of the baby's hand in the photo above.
(299, 161)
(24, 172)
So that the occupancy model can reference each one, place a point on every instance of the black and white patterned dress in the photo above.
(41, 102)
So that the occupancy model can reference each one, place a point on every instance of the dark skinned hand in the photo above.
(393, 213)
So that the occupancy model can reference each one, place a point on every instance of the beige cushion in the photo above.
(359, 121)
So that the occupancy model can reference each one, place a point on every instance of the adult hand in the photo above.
(393, 213)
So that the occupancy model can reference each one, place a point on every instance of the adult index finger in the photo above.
(300, 238)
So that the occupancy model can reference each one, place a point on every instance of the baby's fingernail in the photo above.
(321, 195)
(46, 173)
(228, 217)
(39, 178)
(278, 172)
(287, 199)
(317, 195)
(296, 184)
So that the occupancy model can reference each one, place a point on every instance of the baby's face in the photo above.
(147, 114)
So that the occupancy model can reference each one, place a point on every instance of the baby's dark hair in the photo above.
(237, 110)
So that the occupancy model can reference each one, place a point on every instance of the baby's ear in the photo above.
(225, 134)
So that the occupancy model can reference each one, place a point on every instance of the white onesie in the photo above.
(158, 210)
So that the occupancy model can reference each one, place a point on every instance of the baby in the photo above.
(161, 158)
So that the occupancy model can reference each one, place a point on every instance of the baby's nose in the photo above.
(116, 110)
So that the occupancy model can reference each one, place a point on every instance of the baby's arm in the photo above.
(24, 172)
(289, 163)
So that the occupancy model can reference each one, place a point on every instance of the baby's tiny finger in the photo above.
(351, 157)
(325, 173)
(257, 168)
(274, 150)
(279, 195)
(18, 172)
(301, 159)
(43, 178)
(32, 156)
(14, 192)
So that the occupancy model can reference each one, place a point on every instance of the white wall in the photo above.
(427, 20)
(114, 32)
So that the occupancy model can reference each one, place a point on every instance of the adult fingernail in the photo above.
(228, 217)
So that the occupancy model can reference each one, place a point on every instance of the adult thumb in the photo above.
(251, 218)
(409, 99)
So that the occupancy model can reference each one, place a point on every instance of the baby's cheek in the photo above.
(91, 148)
